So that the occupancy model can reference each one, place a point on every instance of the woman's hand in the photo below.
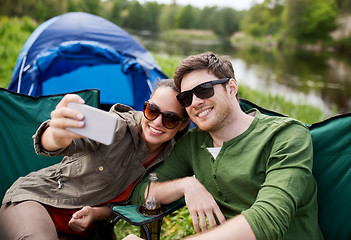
(83, 218)
(56, 136)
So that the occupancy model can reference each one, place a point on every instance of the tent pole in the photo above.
(20, 74)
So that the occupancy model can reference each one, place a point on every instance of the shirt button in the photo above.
(101, 168)
(214, 176)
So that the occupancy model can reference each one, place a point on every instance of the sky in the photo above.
(236, 4)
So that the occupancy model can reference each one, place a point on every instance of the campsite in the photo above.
(315, 91)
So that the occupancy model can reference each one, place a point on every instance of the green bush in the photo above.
(13, 34)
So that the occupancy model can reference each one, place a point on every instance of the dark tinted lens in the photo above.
(151, 112)
(185, 98)
(204, 91)
(170, 120)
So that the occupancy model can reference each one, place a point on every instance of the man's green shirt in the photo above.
(265, 174)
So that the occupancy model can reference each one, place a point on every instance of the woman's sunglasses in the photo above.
(203, 91)
(169, 119)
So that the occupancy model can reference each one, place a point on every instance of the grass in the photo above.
(175, 226)
(303, 112)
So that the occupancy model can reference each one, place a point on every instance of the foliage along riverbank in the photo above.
(15, 31)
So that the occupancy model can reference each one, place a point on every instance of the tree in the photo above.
(206, 18)
(135, 16)
(227, 22)
(72, 6)
(185, 17)
(90, 6)
(344, 6)
(166, 20)
(263, 19)
(151, 13)
(115, 15)
(308, 20)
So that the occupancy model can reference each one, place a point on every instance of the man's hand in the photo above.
(81, 220)
(201, 205)
(199, 201)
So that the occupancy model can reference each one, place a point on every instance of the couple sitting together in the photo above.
(247, 174)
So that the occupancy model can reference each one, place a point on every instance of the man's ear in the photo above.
(232, 88)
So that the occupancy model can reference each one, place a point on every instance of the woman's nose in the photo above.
(158, 120)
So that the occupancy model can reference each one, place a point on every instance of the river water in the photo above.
(319, 79)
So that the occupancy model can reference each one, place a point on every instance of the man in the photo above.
(253, 169)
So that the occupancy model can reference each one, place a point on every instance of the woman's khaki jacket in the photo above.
(90, 173)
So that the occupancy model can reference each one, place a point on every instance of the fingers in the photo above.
(63, 117)
(81, 219)
(200, 221)
(220, 216)
(211, 220)
(202, 206)
(66, 118)
(200, 218)
(74, 224)
(203, 223)
(195, 221)
(212, 212)
(70, 98)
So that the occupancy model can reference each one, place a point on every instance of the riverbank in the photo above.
(18, 30)
(303, 112)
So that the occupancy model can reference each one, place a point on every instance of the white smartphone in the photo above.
(99, 125)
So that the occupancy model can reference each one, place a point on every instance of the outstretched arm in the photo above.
(236, 228)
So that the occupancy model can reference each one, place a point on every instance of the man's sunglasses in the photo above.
(169, 119)
(203, 91)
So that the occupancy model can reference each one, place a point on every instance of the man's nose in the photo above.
(196, 101)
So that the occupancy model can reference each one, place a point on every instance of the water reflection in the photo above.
(264, 79)
(321, 79)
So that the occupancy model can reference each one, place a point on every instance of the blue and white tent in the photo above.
(77, 51)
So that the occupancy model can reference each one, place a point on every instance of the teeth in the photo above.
(201, 114)
(155, 130)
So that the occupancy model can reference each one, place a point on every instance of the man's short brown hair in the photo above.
(220, 67)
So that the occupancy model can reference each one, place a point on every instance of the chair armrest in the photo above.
(131, 214)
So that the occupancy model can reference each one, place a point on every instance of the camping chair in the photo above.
(20, 116)
(332, 169)
(131, 215)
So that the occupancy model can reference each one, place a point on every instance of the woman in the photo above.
(64, 200)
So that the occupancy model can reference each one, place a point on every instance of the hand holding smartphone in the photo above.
(99, 125)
